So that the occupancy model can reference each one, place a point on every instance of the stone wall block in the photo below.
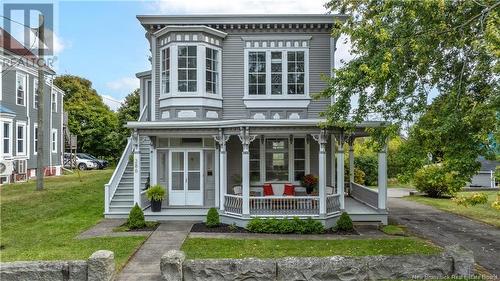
(463, 260)
(229, 269)
(408, 267)
(171, 265)
(318, 269)
(101, 266)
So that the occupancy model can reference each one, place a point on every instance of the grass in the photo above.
(393, 230)
(42, 225)
(484, 212)
(206, 248)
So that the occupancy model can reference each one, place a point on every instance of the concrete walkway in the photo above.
(105, 229)
(145, 264)
(445, 228)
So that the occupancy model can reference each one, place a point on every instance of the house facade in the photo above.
(229, 120)
(19, 114)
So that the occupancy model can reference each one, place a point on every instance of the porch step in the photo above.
(123, 210)
(123, 196)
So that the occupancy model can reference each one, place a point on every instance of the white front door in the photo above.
(186, 178)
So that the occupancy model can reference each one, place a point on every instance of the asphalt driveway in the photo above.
(444, 228)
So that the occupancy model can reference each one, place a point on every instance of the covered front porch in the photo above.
(227, 164)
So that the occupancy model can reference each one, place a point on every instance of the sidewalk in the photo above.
(145, 264)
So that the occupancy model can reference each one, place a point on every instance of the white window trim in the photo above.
(285, 94)
(25, 145)
(35, 138)
(25, 87)
(162, 91)
(53, 140)
(35, 89)
(200, 71)
(11, 138)
(53, 101)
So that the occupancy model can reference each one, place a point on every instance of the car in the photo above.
(82, 163)
(101, 163)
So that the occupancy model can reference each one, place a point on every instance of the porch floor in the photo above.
(355, 207)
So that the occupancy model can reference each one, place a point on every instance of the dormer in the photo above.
(189, 70)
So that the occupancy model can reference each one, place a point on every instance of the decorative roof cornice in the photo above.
(194, 28)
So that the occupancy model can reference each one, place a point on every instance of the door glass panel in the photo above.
(177, 161)
(194, 181)
(177, 170)
(194, 161)
(194, 171)
(177, 180)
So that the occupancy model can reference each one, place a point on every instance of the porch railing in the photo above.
(332, 203)
(112, 185)
(284, 205)
(364, 194)
(233, 204)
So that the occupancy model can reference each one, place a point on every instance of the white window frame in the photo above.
(162, 88)
(53, 100)
(25, 86)
(284, 81)
(215, 71)
(35, 93)
(2, 137)
(21, 124)
(53, 141)
(200, 71)
(35, 138)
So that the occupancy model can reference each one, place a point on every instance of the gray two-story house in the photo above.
(19, 114)
(228, 120)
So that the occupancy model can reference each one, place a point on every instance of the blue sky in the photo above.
(104, 42)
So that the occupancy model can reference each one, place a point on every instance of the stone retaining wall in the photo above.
(454, 261)
(100, 266)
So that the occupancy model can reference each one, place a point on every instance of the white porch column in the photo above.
(340, 170)
(221, 139)
(351, 160)
(137, 169)
(332, 164)
(321, 138)
(245, 139)
(382, 178)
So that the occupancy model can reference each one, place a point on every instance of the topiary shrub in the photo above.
(344, 223)
(213, 218)
(435, 181)
(136, 218)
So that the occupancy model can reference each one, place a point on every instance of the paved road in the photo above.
(145, 264)
(444, 228)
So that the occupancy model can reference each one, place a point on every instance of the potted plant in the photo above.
(309, 182)
(156, 194)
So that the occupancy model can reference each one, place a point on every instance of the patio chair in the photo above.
(268, 189)
(289, 190)
(237, 190)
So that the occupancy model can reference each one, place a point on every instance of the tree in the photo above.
(403, 51)
(128, 111)
(88, 117)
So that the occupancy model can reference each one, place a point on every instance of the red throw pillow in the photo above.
(289, 190)
(268, 190)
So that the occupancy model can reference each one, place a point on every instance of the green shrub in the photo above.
(213, 218)
(435, 181)
(156, 193)
(344, 223)
(477, 198)
(369, 165)
(136, 218)
(284, 226)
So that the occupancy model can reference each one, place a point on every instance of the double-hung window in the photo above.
(21, 138)
(54, 140)
(296, 72)
(165, 70)
(212, 70)
(256, 73)
(54, 101)
(7, 138)
(20, 89)
(35, 93)
(35, 139)
(277, 159)
(186, 68)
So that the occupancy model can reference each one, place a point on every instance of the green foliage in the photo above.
(406, 52)
(435, 181)
(156, 193)
(283, 226)
(136, 218)
(213, 218)
(393, 230)
(476, 198)
(128, 111)
(344, 223)
(369, 165)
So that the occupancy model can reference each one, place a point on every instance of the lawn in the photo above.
(484, 213)
(42, 225)
(205, 248)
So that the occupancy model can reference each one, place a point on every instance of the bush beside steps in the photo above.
(136, 222)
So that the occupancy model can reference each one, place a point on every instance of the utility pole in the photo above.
(41, 83)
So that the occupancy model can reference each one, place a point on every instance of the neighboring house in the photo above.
(19, 114)
(227, 108)
(485, 178)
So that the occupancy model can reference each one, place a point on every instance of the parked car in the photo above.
(101, 163)
(82, 163)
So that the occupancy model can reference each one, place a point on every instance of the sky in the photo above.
(103, 41)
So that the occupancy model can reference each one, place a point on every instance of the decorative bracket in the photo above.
(322, 139)
(221, 139)
(246, 138)
(137, 141)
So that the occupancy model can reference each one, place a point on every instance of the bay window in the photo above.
(187, 68)
(20, 89)
(165, 70)
(257, 73)
(211, 70)
(277, 159)
(276, 73)
(295, 72)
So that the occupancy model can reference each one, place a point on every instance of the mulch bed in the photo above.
(226, 228)
(151, 226)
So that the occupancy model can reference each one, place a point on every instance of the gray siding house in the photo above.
(18, 114)
(228, 120)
